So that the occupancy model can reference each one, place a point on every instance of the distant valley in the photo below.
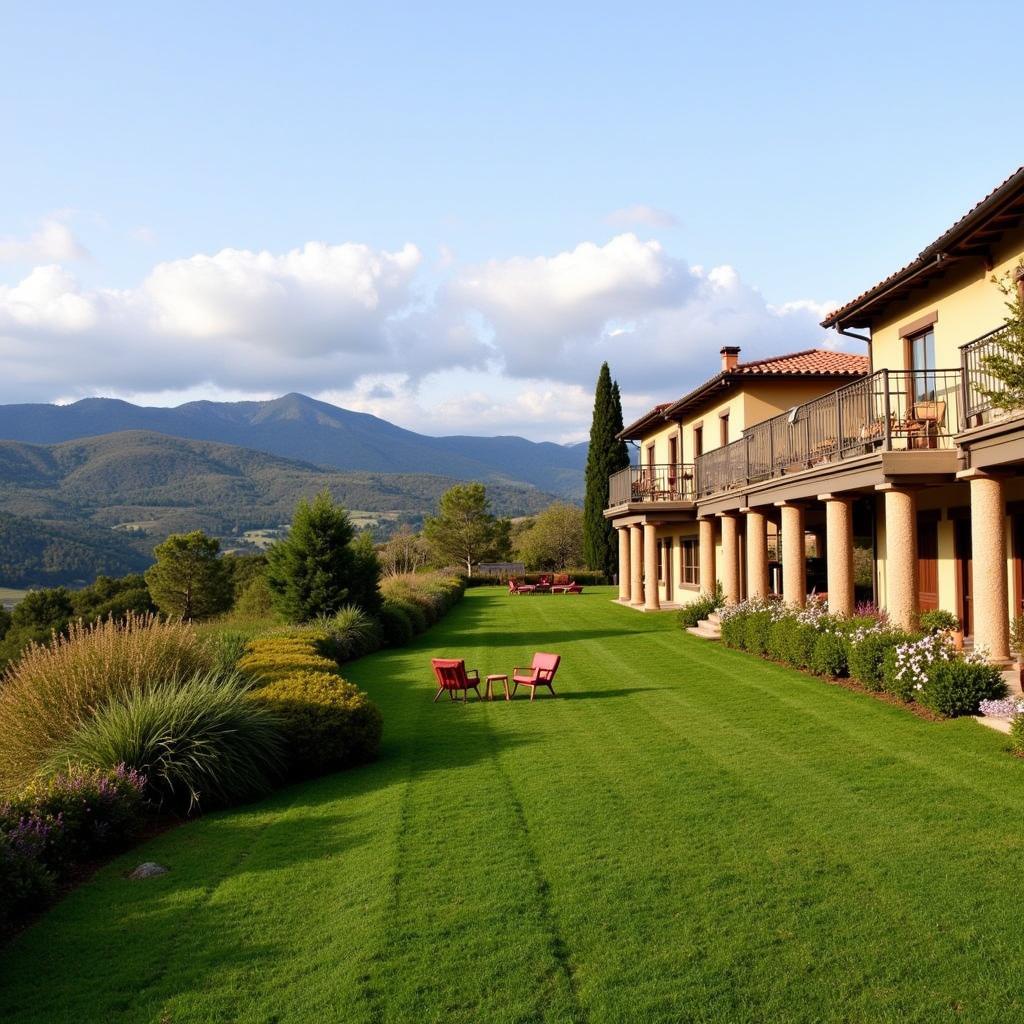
(99, 503)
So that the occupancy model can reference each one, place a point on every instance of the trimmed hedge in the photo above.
(867, 656)
(328, 723)
(956, 688)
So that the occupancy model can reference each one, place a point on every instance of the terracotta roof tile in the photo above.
(812, 362)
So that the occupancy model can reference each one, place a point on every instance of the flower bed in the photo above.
(920, 669)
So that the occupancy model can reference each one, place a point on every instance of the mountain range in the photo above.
(91, 487)
(298, 427)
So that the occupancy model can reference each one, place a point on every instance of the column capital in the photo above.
(760, 510)
(727, 515)
(979, 474)
(790, 504)
(847, 498)
(890, 487)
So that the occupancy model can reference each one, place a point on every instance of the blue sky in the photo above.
(496, 198)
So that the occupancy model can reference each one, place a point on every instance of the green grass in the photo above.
(686, 834)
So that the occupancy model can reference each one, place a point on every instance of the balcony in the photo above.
(651, 483)
(978, 380)
(891, 410)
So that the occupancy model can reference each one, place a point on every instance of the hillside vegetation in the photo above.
(99, 505)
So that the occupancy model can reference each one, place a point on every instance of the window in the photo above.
(921, 348)
(689, 563)
(698, 441)
(723, 421)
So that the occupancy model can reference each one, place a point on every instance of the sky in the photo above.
(449, 214)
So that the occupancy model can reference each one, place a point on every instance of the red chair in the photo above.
(521, 588)
(452, 676)
(541, 673)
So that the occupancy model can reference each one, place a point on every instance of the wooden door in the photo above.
(964, 574)
(668, 568)
(927, 562)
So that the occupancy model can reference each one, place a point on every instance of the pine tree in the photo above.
(1006, 363)
(606, 455)
(464, 530)
(189, 578)
(311, 572)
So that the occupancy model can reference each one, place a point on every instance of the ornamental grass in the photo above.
(53, 688)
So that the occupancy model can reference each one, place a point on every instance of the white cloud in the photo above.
(52, 242)
(508, 345)
(641, 215)
(658, 321)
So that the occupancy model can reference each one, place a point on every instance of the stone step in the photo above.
(714, 618)
(704, 632)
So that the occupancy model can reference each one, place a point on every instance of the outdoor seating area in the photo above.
(559, 583)
(454, 678)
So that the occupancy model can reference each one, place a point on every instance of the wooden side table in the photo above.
(488, 687)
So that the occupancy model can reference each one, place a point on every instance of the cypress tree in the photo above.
(606, 455)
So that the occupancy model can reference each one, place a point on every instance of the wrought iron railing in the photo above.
(659, 482)
(890, 410)
(978, 378)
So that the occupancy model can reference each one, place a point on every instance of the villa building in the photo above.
(905, 463)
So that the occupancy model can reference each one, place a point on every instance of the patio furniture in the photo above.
(452, 676)
(540, 673)
(543, 585)
(521, 588)
(571, 587)
(489, 684)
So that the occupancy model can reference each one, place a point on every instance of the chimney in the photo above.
(730, 357)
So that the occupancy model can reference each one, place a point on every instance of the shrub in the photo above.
(199, 743)
(867, 655)
(1016, 738)
(800, 641)
(829, 655)
(351, 633)
(416, 615)
(273, 656)
(734, 631)
(46, 694)
(956, 687)
(906, 666)
(255, 600)
(25, 884)
(227, 649)
(780, 638)
(938, 621)
(756, 632)
(701, 608)
(83, 813)
(395, 624)
(328, 723)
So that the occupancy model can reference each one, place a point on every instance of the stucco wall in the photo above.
(968, 305)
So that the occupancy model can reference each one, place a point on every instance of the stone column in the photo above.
(707, 556)
(730, 557)
(652, 602)
(901, 555)
(839, 552)
(794, 555)
(624, 580)
(988, 547)
(757, 554)
(636, 565)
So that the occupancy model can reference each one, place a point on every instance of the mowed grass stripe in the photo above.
(688, 834)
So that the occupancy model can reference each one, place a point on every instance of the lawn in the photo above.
(685, 834)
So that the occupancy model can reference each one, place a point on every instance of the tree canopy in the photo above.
(554, 539)
(189, 578)
(464, 529)
(1007, 365)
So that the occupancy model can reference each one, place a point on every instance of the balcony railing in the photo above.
(978, 378)
(660, 482)
(891, 410)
